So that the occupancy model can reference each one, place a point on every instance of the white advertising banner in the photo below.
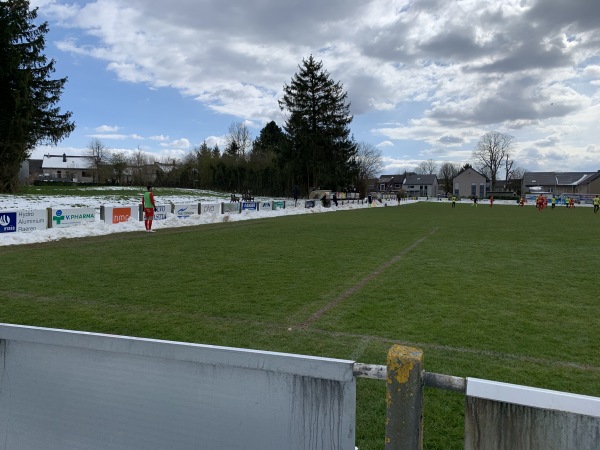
(210, 208)
(265, 205)
(185, 211)
(161, 212)
(68, 217)
(23, 221)
(231, 208)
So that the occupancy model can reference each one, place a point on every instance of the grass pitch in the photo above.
(502, 293)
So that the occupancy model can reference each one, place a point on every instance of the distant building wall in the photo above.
(470, 183)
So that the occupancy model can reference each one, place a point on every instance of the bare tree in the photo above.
(118, 161)
(98, 155)
(142, 165)
(369, 160)
(446, 175)
(515, 180)
(508, 166)
(492, 149)
(428, 167)
(238, 140)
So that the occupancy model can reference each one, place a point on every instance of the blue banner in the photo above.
(8, 222)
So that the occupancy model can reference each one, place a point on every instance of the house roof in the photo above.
(66, 162)
(420, 179)
(391, 178)
(470, 168)
(558, 178)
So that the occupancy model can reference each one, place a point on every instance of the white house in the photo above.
(68, 168)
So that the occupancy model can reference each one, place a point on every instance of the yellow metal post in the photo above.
(404, 398)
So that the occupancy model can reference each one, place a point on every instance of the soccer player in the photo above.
(149, 208)
(553, 201)
(453, 201)
(596, 204)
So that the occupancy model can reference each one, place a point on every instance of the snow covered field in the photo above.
(98, 227)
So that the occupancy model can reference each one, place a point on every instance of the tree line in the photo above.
(313, 149)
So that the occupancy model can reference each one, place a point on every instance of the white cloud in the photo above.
(178, 144)
(159, 138)
(443, 72)
(115, 136)
(107, 129)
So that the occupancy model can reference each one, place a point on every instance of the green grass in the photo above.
(502, 293)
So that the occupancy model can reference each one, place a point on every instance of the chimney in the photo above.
(64, 157)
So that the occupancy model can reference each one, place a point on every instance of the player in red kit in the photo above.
(149, 208)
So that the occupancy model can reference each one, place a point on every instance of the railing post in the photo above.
(404, 399)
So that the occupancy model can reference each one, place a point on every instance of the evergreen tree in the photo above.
(28, 111)
(270, 140)
(321, 151)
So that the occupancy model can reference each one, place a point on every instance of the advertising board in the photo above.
(249, 206)
(68, 217)
(265, 205)
(118, 214)
(185, 211)
(231, 208)
(210, 208)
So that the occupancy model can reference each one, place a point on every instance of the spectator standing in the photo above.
(149, 208)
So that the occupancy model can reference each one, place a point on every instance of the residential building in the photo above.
(470, 183)
(421, 185)
(67, 168)
(390, 183)
(557, 183)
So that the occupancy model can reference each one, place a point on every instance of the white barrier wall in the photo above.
(74, 390)
(506, 416)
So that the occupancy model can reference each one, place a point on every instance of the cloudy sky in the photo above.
(425, 78)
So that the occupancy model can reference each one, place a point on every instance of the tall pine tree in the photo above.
(321, 152)
(28, 96)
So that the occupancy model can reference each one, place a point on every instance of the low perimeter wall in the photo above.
(74, 390)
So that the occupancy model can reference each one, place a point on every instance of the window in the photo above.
(482, 190)
(58, 174)
(473, 189)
